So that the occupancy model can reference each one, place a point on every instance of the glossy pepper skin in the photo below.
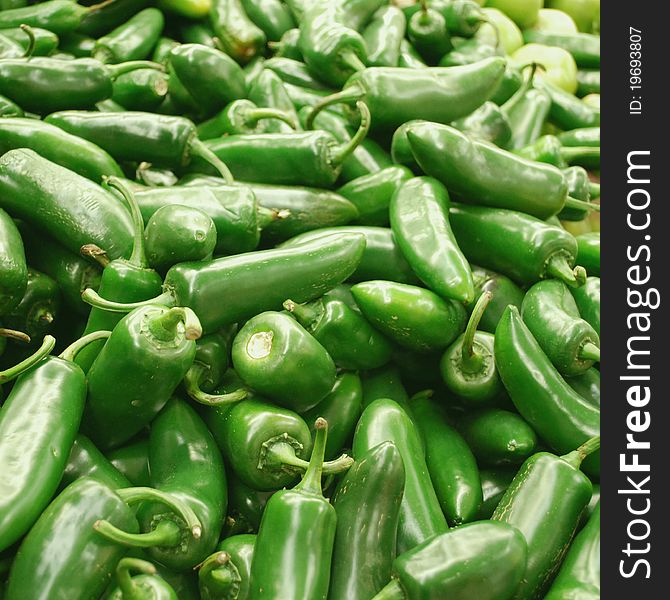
(367, 503)
(551, 314)
(567, 111)
(419, 214)
(146, 586)
(267, 90)
(296, 536)
(503, 293)
(482, 560)
(420, 515)
(556, 484)
(59, 16)
(456, 482)
(13, 268)
(245, 508)
(588, 252)
(72, 209)
(412, 317)
(532, 249)
(488, 123)
(584, 47)
(580, 572)
(494, 484)
(579, 186)
(69, 520)
(143, 89)
(349, 339)
(588, 302)
(243, 116)
(132, 461)
(227, 572)
(148, 354)
(275, 356)
(558, 414)
(384, 35)
(134, 40)
(45, 41)
(56, 145)
(239, 37)
(86, 460)
(587, 385)
(273, 17)
(427, 31)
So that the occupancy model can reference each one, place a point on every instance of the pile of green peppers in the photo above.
(299, 300)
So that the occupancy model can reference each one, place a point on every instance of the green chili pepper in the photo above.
(584, 47)
(10, 48)
(384, 35)
(134, 40)
(397, 95)
(427, 32)
(147, 586)
(240, 38)
(531, 250)
(348, 338)
(468, 52)
(413, 317)
(567, 111)
(401, 151)
(367, 503)
(13, 268)
(419, 214)
(579, 186)
(557, 483)
(87, 461)
(267, 91)
(227, 572)
(587, 385)
(43, 42)
(192, 9)
(558, 414)
(133, 462)
(409, 58)
(588, 252)
(273, 17)
(139, 367)
(551, 314)
(162, 50)
(588, 82)
(588, 302)
(479, 560)
(164, 141)
(255, 281)
(420, 514)
(288, 45)
(245, 507)
(494, 484)
(296, 536)
(58, 16)
(503, 293)
(77, 44)
(488, 123)
(293, 71)
(103, 17)
(143, 89)
(588, 136)
(9, 108)
(384, 383)
(244, 117)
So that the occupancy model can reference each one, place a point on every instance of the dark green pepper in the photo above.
(102, 18)
(267, 91)
(13, 268)
(588, 252)
(273, 17)
(494, 484)
(427, 32)
(59, 16)
(587, 298)
(77, 44)
(503, 293)
(134, 40)
(238, 35)
(293, 71)
(147, 586)
(143, 89)
(227, 572)
(133, 461)
(245, 507)
(243, 116)
(87, 461)
(488, 123)
(587, 385)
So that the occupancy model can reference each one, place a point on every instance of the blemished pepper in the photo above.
(497, 437)
(134, 40)
(72, 209)
(579, 574)
(420, 514)
(371, 194)
(468, 366)
(397, 95)
(494, 484)
(412, 317)
(587, 298)
(137, 370)
(349, 339)
(38, 421)
(532, 249)
(143, 89)
(428, 33)
(381, 257)
(192, 9)
(275, 356)
(504, 292)
(588, 252)
(86, 460)
(163, 140)
(240, 38)
(13, 267)
(367, 503)
(383, 36)
(482, 560)
(45, 42)
(59, 16)
(273, 17)
(551, 314)
(132, 461)
(268, 91)
(557, 484)
(254, 281)
(456, 482)
(227, 572)
(243, 116)
(584, 47)
(419, 214)
(488, 123)
(558, 414)
(296, 536)
(46, 84)
(483, 173)
(145, 586)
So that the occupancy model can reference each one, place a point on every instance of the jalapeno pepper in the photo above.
(488, 123)
(143, 89)
(588, 252)
(556, 483)
(567, 111)
(132, 461)
(146, 586)
(419, 214)
(494, 484)
(102, 18)
(244, 117)
(87, 461)
(59, 16)
(13, 268)
(468, 52)
(396, 95)
(367, 503)
(268, 91)
(239, 36)
(294, 71)
(245, 507)
(383, 36)
(288, 45)
(384, 383)
(227, 572)
(584, 47)
(9, 108)
(166, 141)
(479, 560)
(503, 293)
(134, 40)
(579, 186)
(588, 302)
(193, 9)
(413, 317)
(420, 514)
(409, 58)
(558, 414)
(551, 314)
(43, 42)
(532, 249)
(428, 33)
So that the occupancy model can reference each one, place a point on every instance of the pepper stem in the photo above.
(346, 149)
(311, 481)
(305, 315)
(557, 267)
(133, 65)
(470, 359)
(284, 454)
(129, 589)
(350, 59)
(166, 533)
(392, 591)
(73, 349)
(14, 335)
(165, 326)
(219, 573)
(28, 30)
(571, 202)
(96, 253)
(348, 95)
(589, 351)
(192, 386)
(576, 457)
(138, 256)
(13, 372)
(198, 148)
(594, 190)
(90, 296)
(253, 115)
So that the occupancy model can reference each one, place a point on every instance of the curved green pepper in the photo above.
(59, 16)
(267, 91)
(383, 36)
(45, 42)
(288, 45)
(567, 111)
(503, 293)
(87, 461)
(587, 385)
(13, 268)
(227, 572)
(147, 586)
(587, 298)
(273, 17)
(243, 116)
(428, 33)
(239, 37)
(409, 58)
(134, 40)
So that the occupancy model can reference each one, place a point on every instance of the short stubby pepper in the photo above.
(228, 570)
